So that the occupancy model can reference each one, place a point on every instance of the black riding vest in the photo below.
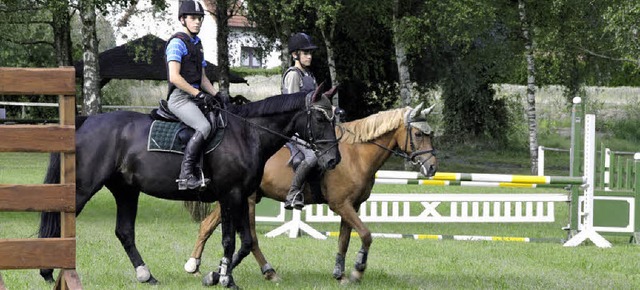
(190, 65)
(307, 83)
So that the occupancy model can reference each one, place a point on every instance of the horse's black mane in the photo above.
(272, 105)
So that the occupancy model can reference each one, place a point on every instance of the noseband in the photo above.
(414, 154)
(312, 140)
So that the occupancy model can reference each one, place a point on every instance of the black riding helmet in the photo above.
(190, 8)
(300, 41)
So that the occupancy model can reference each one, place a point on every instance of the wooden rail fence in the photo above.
(58, 253)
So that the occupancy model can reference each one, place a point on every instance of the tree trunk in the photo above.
(531, 87)
(331, 60)
(285, 57)
(91, 85)
(404, 76)
(62, 33)
(222, 38)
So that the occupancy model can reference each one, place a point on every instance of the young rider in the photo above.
(189, 86)
(296, 79)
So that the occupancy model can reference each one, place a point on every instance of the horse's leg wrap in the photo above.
(338, 270)
(361, 260)
(225, 272)
(142, 273)
(192, 265)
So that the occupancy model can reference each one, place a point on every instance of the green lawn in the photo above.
(165, 237)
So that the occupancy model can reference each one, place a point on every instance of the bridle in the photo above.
(312, 143)
(408, 141)
(414, 154)
(331, 117)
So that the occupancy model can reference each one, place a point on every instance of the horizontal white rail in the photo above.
(470, 208)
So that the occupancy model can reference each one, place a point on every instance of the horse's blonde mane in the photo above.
(371, 127)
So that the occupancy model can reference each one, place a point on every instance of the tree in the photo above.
(91, 73)
(404, 76)
(34, 32)
(531, 86)
(464, 47)
(327, 19)
(223, 10)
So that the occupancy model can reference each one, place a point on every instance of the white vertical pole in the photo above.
(540, 160)
(607, 168)
(589, 172)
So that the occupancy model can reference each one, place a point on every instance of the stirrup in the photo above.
(183, 183)
(295, 202)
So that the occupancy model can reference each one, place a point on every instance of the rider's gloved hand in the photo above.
(206, 99)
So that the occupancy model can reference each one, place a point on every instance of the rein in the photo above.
(398, 152)
(311, 144)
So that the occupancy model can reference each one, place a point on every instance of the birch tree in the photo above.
(531, 86)
(91, 103)
(404, 77)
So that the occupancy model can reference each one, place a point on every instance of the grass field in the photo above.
(165, 236)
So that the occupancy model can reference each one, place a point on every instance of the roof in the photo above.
(141, 59)
(239, 21)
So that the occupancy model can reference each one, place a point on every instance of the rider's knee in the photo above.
(205, 129)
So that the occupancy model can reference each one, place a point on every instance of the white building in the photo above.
(242, 39)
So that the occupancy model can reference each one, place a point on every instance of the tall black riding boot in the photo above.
(190, 178)
(295, 197)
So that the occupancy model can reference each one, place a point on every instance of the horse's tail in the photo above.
(50, 221)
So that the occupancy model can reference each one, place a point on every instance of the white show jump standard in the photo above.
(469, 208)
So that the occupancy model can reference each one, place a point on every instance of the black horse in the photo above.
(111, 151)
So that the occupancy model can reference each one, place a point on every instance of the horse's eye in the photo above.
(419, 134)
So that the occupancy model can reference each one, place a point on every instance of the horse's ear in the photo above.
(426, 111)
(316, 93)
(415, 111)
(331, 92)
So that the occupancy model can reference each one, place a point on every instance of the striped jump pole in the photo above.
(429, 182)
(454, 237)
(480, 177)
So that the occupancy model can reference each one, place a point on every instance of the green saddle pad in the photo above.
(164, 137)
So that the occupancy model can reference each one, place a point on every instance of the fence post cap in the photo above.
(636, 156)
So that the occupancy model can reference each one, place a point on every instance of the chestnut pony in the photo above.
(366, 144)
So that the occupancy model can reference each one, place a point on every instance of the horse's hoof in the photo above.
(338, 273)
(151, 281)
(192, 265)
(47, 275)
(344, 280)
(271, 275)
(211, 279)
(227, 281)
(356, 276)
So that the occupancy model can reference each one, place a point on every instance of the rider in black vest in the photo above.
(188, 87)
(296, 79)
